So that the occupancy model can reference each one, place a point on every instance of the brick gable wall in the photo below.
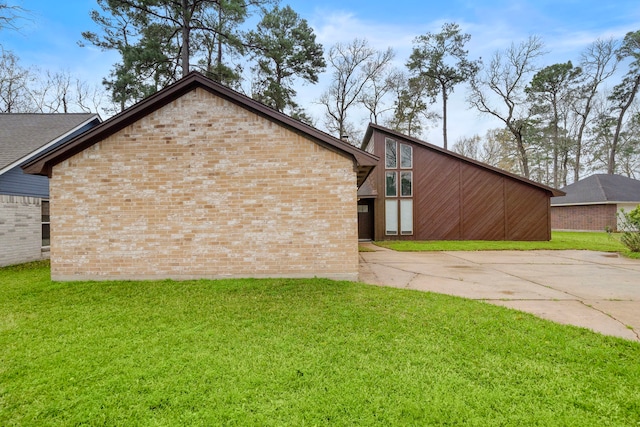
(203, 188)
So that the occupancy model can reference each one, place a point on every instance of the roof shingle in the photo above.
(22, 134)
(600, 188)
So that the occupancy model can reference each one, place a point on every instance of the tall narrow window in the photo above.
(391, 216)
(406, 184)
(46, 225)
(390, 154)
(392, 184)
(406, 216)
(406, 156)
(398, 190)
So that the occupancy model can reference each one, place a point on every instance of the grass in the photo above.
(295, 352)
(560, 240)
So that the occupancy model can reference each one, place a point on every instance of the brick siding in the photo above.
(20, 230)
(584, 218)
(202, 188)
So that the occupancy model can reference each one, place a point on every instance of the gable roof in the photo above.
(364, 162)
(396, 134)
(600, 189)
(25, 135)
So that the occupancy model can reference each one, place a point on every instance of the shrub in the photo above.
(630, 222)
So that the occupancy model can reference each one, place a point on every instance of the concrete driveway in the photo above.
(595, 290)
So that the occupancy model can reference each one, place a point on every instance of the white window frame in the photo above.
(406, 217)
(410, 156)
(410, 174)
(391, 217)
(386, 187)
(387, 141)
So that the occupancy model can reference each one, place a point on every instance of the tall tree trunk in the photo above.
(186, 30)
(444, 115)
(611, 167)
(524, 159)
(556, 141)
(578, 157)
(219, 43)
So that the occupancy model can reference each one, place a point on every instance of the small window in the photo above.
(406, 156)
(390, 156)
(363, 208)
(46, 225)
(406, 184)
(391, 184)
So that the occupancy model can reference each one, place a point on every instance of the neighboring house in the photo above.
(423, 192)
(593, 203)
(200, 181)
(24, 199)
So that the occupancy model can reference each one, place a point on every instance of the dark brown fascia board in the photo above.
(43, 165)
(372, 126)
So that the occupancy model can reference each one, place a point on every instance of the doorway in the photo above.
(365, 219)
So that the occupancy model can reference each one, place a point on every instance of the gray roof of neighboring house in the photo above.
(600, 188)
(22, 134)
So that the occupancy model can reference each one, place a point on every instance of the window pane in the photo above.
(46, 235)
(406, 184)
(391, 159)
(406, 156)
(406, 216)
(391, 216)
(45, 211)
(392, 184)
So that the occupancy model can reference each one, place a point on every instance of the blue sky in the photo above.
(49, 36)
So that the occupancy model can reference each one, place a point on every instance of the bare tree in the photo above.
(14, 84)
(60, 92)
(9, 14)
(498, 150)
(354, 65)
(468, 147)
(52, 93)
(498, 90)
(598, 62)
(380, 87)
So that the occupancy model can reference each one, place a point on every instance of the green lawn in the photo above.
(295, 352)
(603, 242)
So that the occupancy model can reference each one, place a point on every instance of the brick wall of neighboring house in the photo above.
(20, 230)
(202, 188)
(584, 218)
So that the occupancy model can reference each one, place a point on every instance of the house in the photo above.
(24, 199)
(593, 203)
(200, 181)
(422, 192)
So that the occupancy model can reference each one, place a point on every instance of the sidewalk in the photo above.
(595, 290)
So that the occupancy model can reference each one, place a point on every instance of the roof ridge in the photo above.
(42, 165)
(601, 186)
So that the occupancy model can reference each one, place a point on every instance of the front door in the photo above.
(365, 219)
